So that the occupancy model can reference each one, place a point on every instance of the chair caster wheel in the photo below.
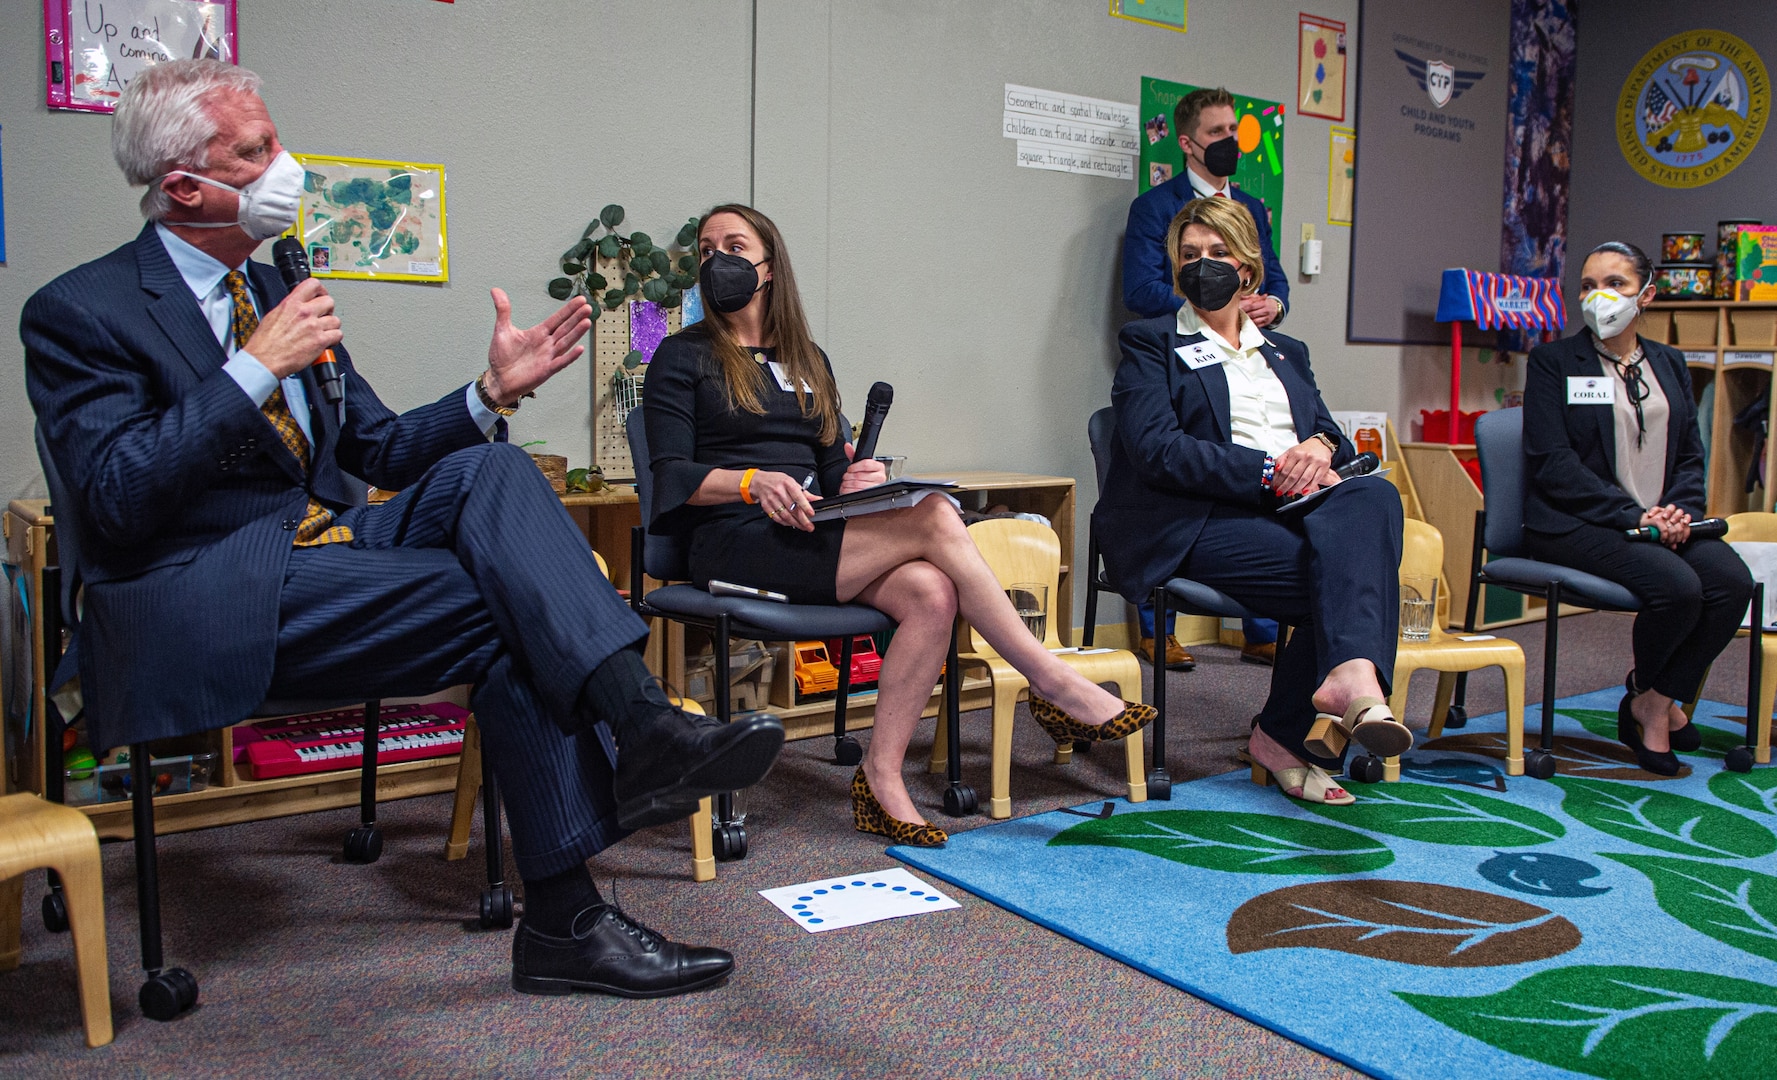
(55, 910)
(1456, 717)
(364, 844)
(959, 799)
(1739, 760)
(731, 843)
(846, 751)
(1539, 764)
(168, 994)
(496, 907)
(1160, 785)
(1365, 769)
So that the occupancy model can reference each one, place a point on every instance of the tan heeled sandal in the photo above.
(1313, 780)
(1366, 719)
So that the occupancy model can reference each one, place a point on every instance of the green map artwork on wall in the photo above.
(1260, 131)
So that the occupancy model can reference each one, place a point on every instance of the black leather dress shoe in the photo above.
(611, 953)
(666, 765)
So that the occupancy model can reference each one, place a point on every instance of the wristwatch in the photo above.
(488, 400)
(1280, 309)
(1329, 441)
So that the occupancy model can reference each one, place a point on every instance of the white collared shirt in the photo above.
(1202, 188)
(1258, 406)
(205, 277)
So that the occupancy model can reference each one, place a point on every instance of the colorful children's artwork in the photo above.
(1755, 271)
(1341, 175)
(1320, 70)
(93, 49)
(374, 220)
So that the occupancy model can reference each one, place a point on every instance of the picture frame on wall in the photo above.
(1320, 68)
(91, 51)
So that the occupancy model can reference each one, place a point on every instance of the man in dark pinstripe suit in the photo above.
(225, 560)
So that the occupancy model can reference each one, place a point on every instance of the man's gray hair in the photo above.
(162, 122)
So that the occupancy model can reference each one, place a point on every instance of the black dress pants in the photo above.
(1692, 599)
(1332, 571)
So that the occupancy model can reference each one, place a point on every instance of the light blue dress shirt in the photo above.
(204, 277)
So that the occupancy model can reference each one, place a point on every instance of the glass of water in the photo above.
(1419, 603)
(1031, 601)
(893, 464)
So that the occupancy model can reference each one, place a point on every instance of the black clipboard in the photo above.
(889, 496)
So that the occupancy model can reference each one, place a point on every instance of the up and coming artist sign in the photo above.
(1693, 108)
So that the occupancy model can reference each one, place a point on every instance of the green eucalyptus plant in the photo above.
(649, 271)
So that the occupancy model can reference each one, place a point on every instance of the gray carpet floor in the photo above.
(312, 967)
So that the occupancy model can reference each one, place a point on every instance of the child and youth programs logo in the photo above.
(1693, 109)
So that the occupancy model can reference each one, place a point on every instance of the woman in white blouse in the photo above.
(1218, 423)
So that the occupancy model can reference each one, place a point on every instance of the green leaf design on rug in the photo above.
(1730, 904)
(1237, 843)
(1756, 790)
(1600, 722)
(1623, 1022)
(1439, 814)
(1603, 722)
(1662, 820)
(1409, 922)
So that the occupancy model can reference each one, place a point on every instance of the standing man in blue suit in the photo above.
(1205, 122)
(226, 559)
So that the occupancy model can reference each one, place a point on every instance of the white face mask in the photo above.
(1608, 312)
(269, 205)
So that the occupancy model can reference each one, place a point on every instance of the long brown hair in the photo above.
(785, 325)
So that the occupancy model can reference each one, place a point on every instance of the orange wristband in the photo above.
(746, 486)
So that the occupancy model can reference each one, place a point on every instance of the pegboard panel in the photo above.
(610, 344)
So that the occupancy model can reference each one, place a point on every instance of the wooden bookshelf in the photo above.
(1730, 347)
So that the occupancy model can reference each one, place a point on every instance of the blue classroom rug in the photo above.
(1458, 924)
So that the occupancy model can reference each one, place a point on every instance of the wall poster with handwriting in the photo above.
(95, 47)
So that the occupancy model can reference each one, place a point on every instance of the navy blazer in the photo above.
(187, 497)
(1147, 271)
(1173, 460)
(1570, 451)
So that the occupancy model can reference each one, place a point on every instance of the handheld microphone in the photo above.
(1360, 465)
(876, 408)
(293, 267)
(1706, 529)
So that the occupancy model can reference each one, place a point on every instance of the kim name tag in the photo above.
(1200, 355)
(1591, 390)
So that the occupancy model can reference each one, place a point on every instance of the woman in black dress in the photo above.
(1601, 463)
(743, 428)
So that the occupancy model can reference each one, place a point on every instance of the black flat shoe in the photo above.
(1687, 739)
(1629, 734)
(664, 769)
(610, 953)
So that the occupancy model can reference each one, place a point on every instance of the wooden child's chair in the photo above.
(1422, 555)
(36, 835)
(1026, 551)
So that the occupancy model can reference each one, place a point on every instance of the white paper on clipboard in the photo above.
(1309, 500)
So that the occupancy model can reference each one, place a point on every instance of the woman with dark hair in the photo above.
(743, 429)
(1611, 444)
(1218, 421)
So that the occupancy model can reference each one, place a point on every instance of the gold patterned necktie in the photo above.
(315, 528)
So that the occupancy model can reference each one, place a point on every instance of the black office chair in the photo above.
(1193, 598)
(1499, 533)
(665, 558)
(170, 991)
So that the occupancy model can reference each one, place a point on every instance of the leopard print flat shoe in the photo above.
(870, 817)
(1066, 730)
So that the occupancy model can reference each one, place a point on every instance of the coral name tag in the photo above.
(1591, 390)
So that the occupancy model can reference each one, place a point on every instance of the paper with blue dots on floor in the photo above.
(860, 898)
